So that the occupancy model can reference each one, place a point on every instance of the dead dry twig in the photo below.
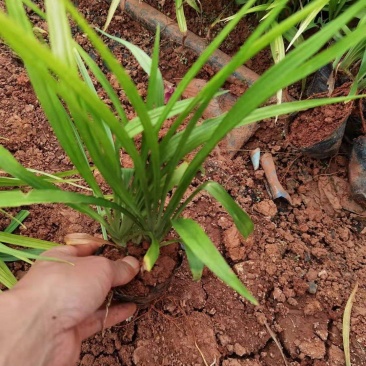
(278, 344)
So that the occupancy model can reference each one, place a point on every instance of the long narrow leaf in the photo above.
(202, 247)
(241, 219)
(151, 255)
(181, 19)
(16, 221)
(305, 23)
(346, 325)
(59, 32)
(195, 264)
(112, 9)
(203, 132)
(150, 66)
(16, 11)
(94, 68)
(6, 277)
(27, 256)
(155, 90)
(11, 258)
(18, 198)
(26, 242)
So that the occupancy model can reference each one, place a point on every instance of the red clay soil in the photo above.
(301, 263)
(317, 124)
(146, 286)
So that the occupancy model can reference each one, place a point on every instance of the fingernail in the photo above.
(132, 261)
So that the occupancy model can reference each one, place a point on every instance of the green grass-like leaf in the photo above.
(144, 198)
(202, 247)
(346, 326)
(112, 9)
(6, 277)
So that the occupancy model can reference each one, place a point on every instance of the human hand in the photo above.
(57, 305)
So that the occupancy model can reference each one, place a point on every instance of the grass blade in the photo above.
(27, 242)
(203, 132)
(346, 327)
(59, 32)
(18, 198)
(6, 277)
(151, 255)
(195, 264)
(202, 247)
(94, 68)
(181, 19)
(241, 219)
(304, 24)
(112, 9)
(26, 257)
(16, 221)
(155, 90)
(11, 258)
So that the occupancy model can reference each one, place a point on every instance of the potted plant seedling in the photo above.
(326, 125)
(146, 202)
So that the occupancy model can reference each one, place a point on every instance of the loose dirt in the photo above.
(301, 263)
(317, 124)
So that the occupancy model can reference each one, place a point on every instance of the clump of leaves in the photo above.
(324, 12)
(148, 200)
(179, 11)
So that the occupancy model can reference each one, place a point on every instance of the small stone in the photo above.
(303, 228)
(319, 253)
(273, 251)
(312, 307)
(312, 287)
(271, 268)
(314, 348)
(278, 295)
(311, 275)
(292, 301)
(29, 108)
(266, 208)
(323, 274)
(224, 222)
(250, 183)
(211, 311)
(321, 330)
(296, 200)
(232, 239)
(239, 349)
(289, 292)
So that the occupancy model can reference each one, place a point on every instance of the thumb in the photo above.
(124, 270)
